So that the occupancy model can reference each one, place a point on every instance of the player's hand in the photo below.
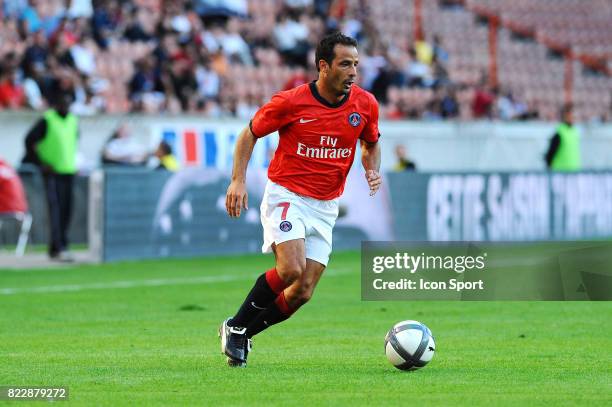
(236, 198)
(374, 180)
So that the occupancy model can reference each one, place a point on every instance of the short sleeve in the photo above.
(271, 116)
(370, 133)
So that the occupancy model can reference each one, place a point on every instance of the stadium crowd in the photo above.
(219, 58)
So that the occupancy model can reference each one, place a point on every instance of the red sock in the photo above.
(267, 287)
(283, 306)
(275, 282)
(275, 313)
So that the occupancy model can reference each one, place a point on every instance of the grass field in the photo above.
(145, 333)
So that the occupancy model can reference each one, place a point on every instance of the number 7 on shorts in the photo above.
(285, 206)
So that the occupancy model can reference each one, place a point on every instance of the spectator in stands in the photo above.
(167, 161)
(442, 106)
(370, 64)
(234, 46)
(86, 101)
(10, 62)
(432, 110)
(418, 73)
(60, 51)
(80, 9)
(208, 81)
(122, 149)
(183, 78)
(83, 56)
(174, 19)
(423, 52)
(247, 108)
(482, 106)
(381, 83)
(146, 89)
(403, 162)
(440, 73)
(11, 92)
(439, 52)
(13, 9)
(66, 31)
(52, 145)
(219, 62)
(299, 77)
(449, 106)
(37, 52)
(31, 86)
(505, 106)
(291, 37)
(135, 28)
(105, 22)
(564, 149)
(29, 20)
(352, 27)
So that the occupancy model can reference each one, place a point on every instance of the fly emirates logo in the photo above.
(326, 150)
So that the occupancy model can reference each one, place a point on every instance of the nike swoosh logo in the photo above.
(302, 121)
(255, 306)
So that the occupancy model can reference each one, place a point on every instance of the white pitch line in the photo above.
(118, 284)
(135, 283)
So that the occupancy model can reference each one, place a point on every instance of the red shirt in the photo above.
(317, 139)
(11, 96)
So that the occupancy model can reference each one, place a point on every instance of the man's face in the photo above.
(568, 116)
(400, 151)
(63, 104)
(342, 73)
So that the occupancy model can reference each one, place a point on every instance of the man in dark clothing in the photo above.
(564, 149)
(51, 145)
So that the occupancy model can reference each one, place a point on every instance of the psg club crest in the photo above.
(285, 226)
(354, 119)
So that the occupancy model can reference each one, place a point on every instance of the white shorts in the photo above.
(287, 216)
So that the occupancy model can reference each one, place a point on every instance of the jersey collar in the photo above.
(315, 92)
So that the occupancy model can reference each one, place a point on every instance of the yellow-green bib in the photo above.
(58, 148)
(567, 157)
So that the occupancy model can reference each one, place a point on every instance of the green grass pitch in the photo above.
(145, 333)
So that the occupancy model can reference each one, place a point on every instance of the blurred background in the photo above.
(473, 95)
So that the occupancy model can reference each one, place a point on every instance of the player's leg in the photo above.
(320, 218)
(290, 300)
(284, 234)
(55, 236)
(290, 266)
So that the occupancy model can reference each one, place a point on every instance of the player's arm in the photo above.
(271, 117)
(237, 196)
(370, 158)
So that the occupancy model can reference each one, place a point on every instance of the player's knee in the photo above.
(291, 271)
(302, 295)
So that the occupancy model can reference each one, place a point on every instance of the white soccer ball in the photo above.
(409, 345)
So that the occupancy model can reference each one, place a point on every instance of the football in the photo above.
(409, 345)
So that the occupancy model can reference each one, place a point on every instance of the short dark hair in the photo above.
(567, 108)
(325, 49)
(165, 147)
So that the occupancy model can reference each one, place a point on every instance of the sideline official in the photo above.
(564, 148)
(51, 144)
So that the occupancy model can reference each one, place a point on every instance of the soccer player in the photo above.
(319, 124)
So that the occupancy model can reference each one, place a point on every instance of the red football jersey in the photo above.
(317, 139)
